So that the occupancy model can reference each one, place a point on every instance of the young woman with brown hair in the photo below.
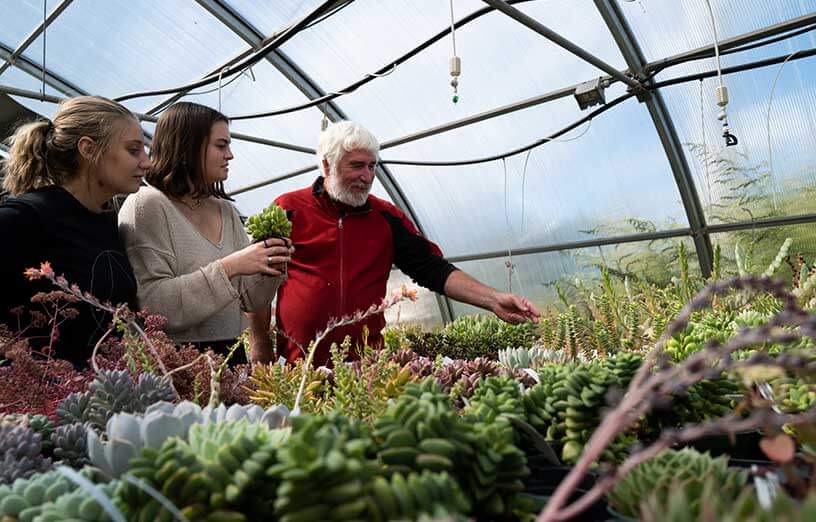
(192, 258)
(61, 174)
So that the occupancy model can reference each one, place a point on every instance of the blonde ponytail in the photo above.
(26, 169)
(45, 153)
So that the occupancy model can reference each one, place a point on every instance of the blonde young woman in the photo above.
(192, 258)
(61, 175)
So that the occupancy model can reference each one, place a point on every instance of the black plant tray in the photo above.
(544, 480)
(745, 445)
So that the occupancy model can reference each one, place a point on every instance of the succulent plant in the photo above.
(39, 423)
(23, 500)
(74, 408)
(152, 388)
(496, 397)
(270, 222)
(71, 445)
(421, 431)
(126, 434)
(220, 474)
(533, 357)
(567, 403)
(76, 505)
(671, 472)
(111, 392)
(21, 448)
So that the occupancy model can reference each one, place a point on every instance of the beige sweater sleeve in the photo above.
(257, 290)
(186, 299)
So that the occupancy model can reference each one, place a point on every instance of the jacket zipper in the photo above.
(340, 281)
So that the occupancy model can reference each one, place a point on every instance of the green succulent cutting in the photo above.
(270, 222)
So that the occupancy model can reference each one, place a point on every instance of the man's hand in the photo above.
(508, 307)
(515, 309)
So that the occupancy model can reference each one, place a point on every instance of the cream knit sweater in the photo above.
(179, 271)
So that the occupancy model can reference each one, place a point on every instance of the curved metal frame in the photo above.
(624, 38)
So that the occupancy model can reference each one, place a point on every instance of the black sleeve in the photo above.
(21, 231)
(415, 256)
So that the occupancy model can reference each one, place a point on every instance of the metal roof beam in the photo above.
(731, 43)
(251, 35)
(622, 33)
(35, 34)
(34, 69)
(720, 228)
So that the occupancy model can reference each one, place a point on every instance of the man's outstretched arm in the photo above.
(509, 307)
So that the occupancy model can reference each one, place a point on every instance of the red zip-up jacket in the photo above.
(342, 260)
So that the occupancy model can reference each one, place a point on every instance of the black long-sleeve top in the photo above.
(49, 224)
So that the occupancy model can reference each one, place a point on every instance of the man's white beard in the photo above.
(342, 194)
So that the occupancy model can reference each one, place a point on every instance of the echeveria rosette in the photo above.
(270, 222)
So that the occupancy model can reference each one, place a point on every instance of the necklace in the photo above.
(192, 206)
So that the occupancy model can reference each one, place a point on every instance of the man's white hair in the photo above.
(343, 137)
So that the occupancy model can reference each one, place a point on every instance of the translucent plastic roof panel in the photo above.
(502, 61)
(760, 177)
(22, 19)
(535, 275)
(117, 47)
(265, 88)
(667, 27)
(271, 20)
(586, 186)
(248, 158)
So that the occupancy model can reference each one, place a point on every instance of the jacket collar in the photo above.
(323, 199)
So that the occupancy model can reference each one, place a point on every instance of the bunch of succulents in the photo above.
(672, 473)
(421, 431)
(566, 405)
(270, 222)
(111, 392)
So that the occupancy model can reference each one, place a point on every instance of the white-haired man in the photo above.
(346, 241)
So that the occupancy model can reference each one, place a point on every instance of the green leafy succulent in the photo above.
(270, 222)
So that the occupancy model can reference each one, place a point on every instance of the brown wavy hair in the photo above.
(46, 153)
(182, 133)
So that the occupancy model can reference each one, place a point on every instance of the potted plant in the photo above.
(271, 222)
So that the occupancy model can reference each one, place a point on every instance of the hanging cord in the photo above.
(509, 263)
(640, 3)
(705, 146)
(721, 92)
(455, 61)
(220, 74)
(523, 179)
(45, 30)
(768, 129)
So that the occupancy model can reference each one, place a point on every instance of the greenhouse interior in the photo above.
(409, 260)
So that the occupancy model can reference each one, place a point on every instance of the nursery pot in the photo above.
(745, 445)
(544, 480)
(287, 240)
